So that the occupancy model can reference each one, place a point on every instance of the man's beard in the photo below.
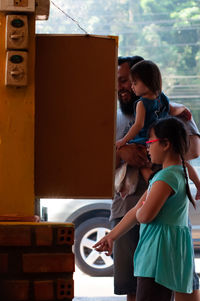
(128, 107)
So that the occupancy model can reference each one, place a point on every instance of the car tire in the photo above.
(87, 259)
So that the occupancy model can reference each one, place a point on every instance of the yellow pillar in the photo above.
(43, 266)
(17, 134)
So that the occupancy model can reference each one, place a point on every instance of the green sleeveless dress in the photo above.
(164, 251)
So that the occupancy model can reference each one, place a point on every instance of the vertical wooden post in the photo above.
(17, 134)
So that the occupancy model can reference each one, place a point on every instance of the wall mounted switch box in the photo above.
(42, 9)
(17, 5)
(16, 32)
(16, 68)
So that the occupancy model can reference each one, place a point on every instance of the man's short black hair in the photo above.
(131, 60)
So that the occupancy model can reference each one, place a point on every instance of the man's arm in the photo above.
(176, 109)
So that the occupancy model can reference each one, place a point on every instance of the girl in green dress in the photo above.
(163, 260)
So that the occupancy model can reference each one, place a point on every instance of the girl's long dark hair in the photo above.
(173, 129)
(149, 73)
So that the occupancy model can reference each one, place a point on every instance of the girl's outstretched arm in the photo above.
(156, 197)
(145, 211)
(128, 221)
(136, 127)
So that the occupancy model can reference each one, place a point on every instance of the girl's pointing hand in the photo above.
(104, 245)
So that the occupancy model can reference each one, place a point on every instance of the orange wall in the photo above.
(17, 135)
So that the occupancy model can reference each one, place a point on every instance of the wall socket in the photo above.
(17, 5)
(16, 32)
(16, 68)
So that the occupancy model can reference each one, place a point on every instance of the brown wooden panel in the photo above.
(75, 116)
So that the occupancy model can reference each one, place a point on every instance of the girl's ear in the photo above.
(166, 145)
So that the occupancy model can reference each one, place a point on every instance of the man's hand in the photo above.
(134, 154)
(179, 110)
(185, 115)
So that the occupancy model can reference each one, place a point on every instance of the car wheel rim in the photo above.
(93, 258)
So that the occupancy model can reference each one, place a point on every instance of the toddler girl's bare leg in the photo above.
(194, 148)
(195, 179)
(195, 296)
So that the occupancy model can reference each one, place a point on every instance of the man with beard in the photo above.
(124, 281)
(125, 114)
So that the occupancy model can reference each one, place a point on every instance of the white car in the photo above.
(91, 220)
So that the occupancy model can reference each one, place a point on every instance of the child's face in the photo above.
(155, 149)
(139, 87)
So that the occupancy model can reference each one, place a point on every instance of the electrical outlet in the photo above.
(16, 32)
(16, 68)
(17, 5)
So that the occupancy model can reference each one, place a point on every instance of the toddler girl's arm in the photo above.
(195, 178)
(157, 196)
(136, 127)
